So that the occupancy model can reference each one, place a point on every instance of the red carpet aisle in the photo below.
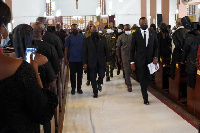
(117, 111)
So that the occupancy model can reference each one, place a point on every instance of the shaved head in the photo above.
(38, 29)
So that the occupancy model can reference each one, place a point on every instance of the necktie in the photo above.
(145, 37)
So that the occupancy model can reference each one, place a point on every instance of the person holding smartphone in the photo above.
(22, 41)
(23, 100)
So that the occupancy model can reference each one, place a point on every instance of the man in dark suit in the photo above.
(144, 50)
(178, 37)
(95, 58)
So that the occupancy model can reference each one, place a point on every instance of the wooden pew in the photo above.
(59, 85)
(178, 84)
(53, 130)
(197, 95)
(190, 99)
(162, 75)
(63, 77)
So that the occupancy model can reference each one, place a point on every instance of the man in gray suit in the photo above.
(123, 51)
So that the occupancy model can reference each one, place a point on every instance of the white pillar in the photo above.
(172, 12)
(159, 6)
(197, 13)
(159, 9)
(148, 11)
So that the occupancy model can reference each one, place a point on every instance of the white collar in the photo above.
(144, 30)
(180, 27)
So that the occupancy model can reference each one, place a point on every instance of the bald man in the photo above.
(45, 48)
(178, 38)
(53, 68)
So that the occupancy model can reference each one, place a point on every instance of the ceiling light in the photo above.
(177, 11)
(47, 1)
(110, 5)
(53, 4)
(109, 13)
(58, 13)
(199, 6)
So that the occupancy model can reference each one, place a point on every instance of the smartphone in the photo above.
(29, 50)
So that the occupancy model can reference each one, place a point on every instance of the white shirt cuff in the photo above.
(132, 63)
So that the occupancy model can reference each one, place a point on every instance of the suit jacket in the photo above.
(140, 54)
(91, 54)
(178, 37)
(190, 52)
(54, 40)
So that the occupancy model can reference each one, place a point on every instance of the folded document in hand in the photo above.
(153, 67)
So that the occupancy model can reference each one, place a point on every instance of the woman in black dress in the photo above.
(24, 102)
(164, 40)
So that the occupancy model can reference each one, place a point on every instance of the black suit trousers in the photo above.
(88, 74)
(76, 67)
(93, 75)
(144, 79)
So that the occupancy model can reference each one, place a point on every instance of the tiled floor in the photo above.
(119, 111)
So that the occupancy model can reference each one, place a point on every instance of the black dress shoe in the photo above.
(99, 87)
(88, 83)
(80, 91)
(111, 75)
(95, 95)
(129, 89)
(73, 92)
(118, 72)
(146, 102)
(107, 79)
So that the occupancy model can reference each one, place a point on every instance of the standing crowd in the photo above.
(100, 52)
(130, 49)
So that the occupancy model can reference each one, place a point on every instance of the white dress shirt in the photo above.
(147, 38)
(180, 27)
(147, 35)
